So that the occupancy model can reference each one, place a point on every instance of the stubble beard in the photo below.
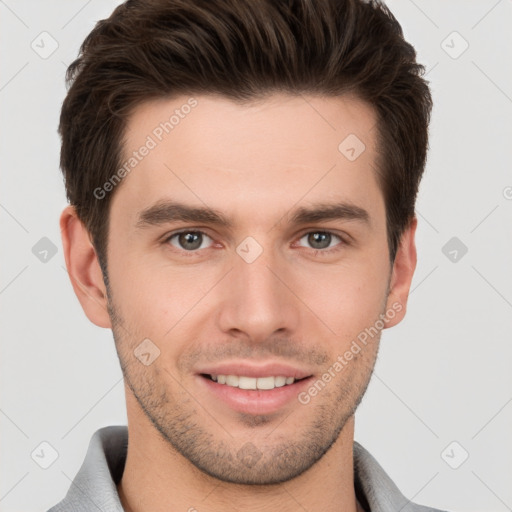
(183, 421)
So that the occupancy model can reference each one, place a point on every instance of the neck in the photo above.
(156, 478)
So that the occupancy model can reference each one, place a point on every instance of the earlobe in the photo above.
(83, 268)
(401, 277)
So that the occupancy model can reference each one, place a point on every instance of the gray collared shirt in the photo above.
(94, 488)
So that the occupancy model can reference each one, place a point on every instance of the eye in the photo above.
(321, 240)
(188, 240)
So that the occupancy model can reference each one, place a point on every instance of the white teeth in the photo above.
(232, 380)
(247, 382)
(265, 383)
(244, 382)
(280, 381)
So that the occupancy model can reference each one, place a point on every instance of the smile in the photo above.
(244, 382)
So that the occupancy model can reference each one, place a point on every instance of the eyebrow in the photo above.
(171, 211)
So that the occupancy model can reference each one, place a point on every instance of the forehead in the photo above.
(211, 150)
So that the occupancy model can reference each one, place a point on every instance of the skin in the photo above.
(295, 303)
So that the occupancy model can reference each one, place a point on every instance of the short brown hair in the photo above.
(242, 50)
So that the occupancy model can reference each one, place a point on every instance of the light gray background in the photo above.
(443, 375)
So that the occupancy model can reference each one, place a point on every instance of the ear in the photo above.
(83, 268)
(401, 276)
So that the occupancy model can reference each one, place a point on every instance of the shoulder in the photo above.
(375, 489)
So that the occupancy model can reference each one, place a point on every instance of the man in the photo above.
(242, 177)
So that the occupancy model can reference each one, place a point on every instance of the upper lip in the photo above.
(269, 369)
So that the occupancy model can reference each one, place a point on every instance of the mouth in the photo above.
(253, 394)
(254, 383)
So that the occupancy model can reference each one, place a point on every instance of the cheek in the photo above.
(153, 298)
(347, 298)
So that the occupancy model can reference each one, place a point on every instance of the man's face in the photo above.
(276, 293)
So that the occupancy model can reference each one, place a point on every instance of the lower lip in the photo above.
(255, 401)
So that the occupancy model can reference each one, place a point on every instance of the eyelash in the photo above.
(323, 252)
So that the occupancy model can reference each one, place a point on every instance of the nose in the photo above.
(258, 299)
